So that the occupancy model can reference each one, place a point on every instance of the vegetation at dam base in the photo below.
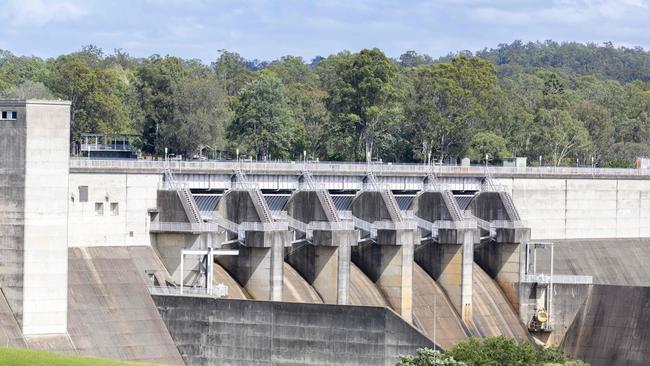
(24, 357)
(491, 351)
(567, 103)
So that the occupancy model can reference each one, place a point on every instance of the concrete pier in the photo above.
(448, 258)
(169, 245)
(388, 259)
(258, 267)
(323, 259)
(503, 255)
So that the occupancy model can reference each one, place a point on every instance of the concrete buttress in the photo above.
(324, 258)
(259, 265)
(449, 258)
(502, 256)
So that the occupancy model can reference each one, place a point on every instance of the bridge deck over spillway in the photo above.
(349, 168)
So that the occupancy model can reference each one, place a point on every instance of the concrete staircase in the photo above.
(189, 205)
(392, 206)
(260, 204)
(185, 195)
(510, 206)
(328, 205)
(452, 205)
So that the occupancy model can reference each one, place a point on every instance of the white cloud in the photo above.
(40, 12)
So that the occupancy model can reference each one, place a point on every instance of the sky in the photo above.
(267, 30)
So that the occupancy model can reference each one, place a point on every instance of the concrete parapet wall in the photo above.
(224, 331)
(582, 208)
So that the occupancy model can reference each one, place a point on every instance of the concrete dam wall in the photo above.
(582, 208)
(612, 327)
(223, 331)
(603, 323)
(111, 313)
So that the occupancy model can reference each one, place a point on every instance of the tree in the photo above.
(503, 351)
(560, 136)
(232, 72)
(95, 94)
(307, 103)
(447, 101)
(362, 99)
(200, 115)
(429, 357)
(28, 90)
(263, 126)
(487, 144)
(156, 77)
(15, 70)
(412, 59)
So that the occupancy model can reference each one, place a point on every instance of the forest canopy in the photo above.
(555, 103)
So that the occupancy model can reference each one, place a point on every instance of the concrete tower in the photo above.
(34, 164)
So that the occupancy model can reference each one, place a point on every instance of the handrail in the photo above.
(227, 167)
(557, 279)
(219, 290)
(216, 227)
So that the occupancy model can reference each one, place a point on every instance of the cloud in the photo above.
(268, 29)
(20, 13)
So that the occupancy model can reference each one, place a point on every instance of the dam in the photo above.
(311, 262)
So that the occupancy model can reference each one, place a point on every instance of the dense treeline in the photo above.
(559, 103)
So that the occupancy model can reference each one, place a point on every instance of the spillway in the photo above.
(362, 290)
(235, 291)
(296, 289)
(440, 321)
(493, 315)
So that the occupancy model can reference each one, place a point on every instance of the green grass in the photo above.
(24, 357)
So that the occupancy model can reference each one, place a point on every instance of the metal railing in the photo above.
(336, 168)
(220, 290)
(216, 227)
(469, 223)
(557, 279)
